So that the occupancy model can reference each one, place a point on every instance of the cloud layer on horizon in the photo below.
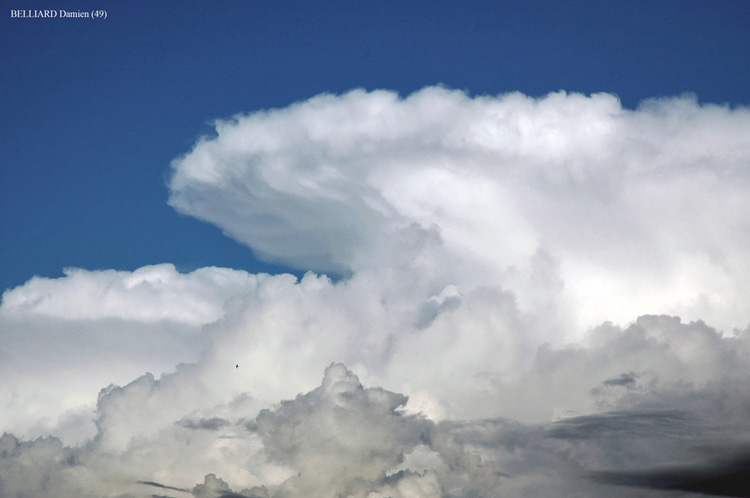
(483, 243)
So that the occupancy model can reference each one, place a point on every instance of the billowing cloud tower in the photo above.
(505, 296)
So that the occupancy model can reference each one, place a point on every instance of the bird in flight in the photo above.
(237, 365)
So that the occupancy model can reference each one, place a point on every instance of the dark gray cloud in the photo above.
(627, 380)
(633, 424)
(208, 424)
(163, 486)
(728, 475)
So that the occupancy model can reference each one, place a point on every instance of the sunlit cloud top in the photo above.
(642, 210)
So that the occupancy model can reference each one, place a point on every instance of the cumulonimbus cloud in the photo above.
(644, 209)
(529, 297)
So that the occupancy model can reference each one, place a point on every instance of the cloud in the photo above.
(339, 435)
(643, 210)
(148, 294)
(726, 476)
(528, 297)
(209, 424)
(342, 437)
(64, 339)
(625, 380)
(157, 485)
(215, 487)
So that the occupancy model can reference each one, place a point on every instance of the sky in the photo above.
(369, 250)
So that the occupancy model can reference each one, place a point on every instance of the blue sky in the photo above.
(535, 215)
(94, 111)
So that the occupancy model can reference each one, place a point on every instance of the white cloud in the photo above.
(484, 242)
(341, 437)
(646, 210)
(148, 294)
(64, 339)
